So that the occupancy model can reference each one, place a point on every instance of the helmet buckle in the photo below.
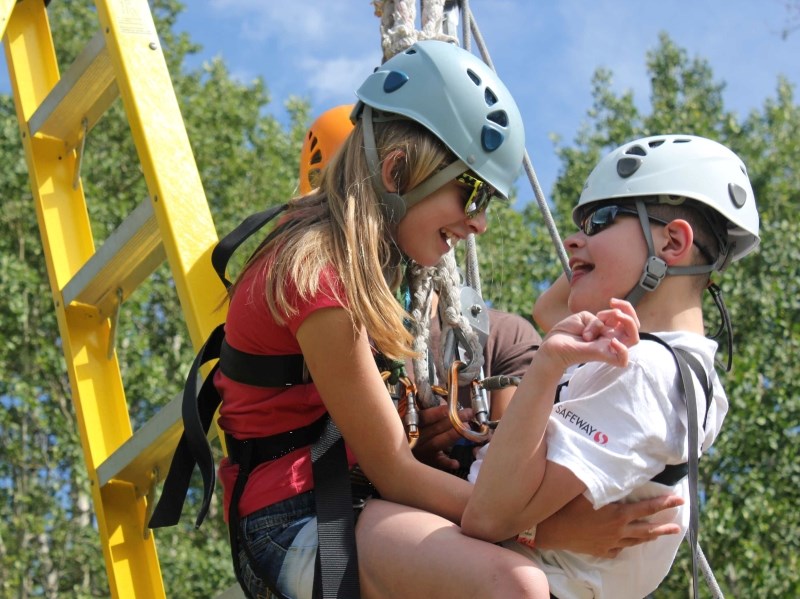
(655, 269)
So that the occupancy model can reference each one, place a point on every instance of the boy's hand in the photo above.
(585, 337)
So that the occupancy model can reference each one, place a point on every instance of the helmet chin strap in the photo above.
(394, 205)
(655, 269)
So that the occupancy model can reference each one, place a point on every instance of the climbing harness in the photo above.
(338, 566)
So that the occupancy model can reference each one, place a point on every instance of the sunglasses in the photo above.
(603, 217)
(480, 194)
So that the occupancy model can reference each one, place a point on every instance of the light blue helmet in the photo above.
(461, 101)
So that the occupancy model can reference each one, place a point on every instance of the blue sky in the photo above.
(545, 51)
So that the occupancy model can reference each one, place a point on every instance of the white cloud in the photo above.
(335, 80)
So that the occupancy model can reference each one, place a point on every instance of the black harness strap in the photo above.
(337, 564)
(198, 412)
(338, 560)
(252, 369)
(222, 252)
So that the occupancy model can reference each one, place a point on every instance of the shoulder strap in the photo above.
(222, 252)
(199, 407)
(691, 405)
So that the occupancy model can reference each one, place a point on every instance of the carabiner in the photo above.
(406, 405)
(484, 430)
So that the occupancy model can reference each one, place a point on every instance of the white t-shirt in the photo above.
(615, 429)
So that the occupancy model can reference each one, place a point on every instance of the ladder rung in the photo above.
(148, 451)
(129, 255)
(86, 90)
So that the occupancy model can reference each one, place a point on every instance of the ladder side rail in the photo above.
(98, 395)
(170, 171)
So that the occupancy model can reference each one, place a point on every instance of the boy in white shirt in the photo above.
(679, 205)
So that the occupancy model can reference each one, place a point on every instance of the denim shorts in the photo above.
(282, 540)
(278, 543)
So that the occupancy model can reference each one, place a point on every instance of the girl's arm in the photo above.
(342, 366)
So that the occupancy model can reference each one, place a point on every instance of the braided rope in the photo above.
(398, 24)
(446, 279)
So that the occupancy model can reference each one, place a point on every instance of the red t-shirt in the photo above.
(248, 412)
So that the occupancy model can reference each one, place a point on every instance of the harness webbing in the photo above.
(683, 359)
(337, 565)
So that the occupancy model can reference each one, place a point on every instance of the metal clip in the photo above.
(484, 430)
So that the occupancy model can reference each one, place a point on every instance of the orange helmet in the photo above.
(322, 140)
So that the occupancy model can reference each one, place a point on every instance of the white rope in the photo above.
(398, 24)
(444, 278)
(708, 574)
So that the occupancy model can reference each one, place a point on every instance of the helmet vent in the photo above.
(627, 166)
(636, 150)
(475, 79)
(656, 143)
(738, 194)
(491, 139)
(498, 116)
(394, 81)
(316, 157)
(489, 97)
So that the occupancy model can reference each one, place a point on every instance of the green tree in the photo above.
(247, 160)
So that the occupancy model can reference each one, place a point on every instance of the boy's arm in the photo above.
(551, 306)
(517, 487)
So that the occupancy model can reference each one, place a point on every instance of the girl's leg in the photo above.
(404, 552)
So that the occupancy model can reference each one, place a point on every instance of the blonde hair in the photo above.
(341, 225)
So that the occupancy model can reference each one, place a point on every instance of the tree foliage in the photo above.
(247, 161)
(49, 545)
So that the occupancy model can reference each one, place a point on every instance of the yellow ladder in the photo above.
(55, 113)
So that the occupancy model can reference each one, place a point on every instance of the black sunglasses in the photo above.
(603, 217)
(480, 194)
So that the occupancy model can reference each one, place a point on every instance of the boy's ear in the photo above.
(675, 240)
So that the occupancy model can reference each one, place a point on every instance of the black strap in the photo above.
(260, 370)
(222, 252)
(198, 409)
(338, 560)
(265, 449)
(193, 448)
(337, 557)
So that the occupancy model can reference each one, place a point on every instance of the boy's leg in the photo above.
(404, 552)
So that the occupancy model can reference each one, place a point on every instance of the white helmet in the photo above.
(681, 165)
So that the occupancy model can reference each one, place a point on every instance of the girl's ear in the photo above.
(390, 170)
(674, 242)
